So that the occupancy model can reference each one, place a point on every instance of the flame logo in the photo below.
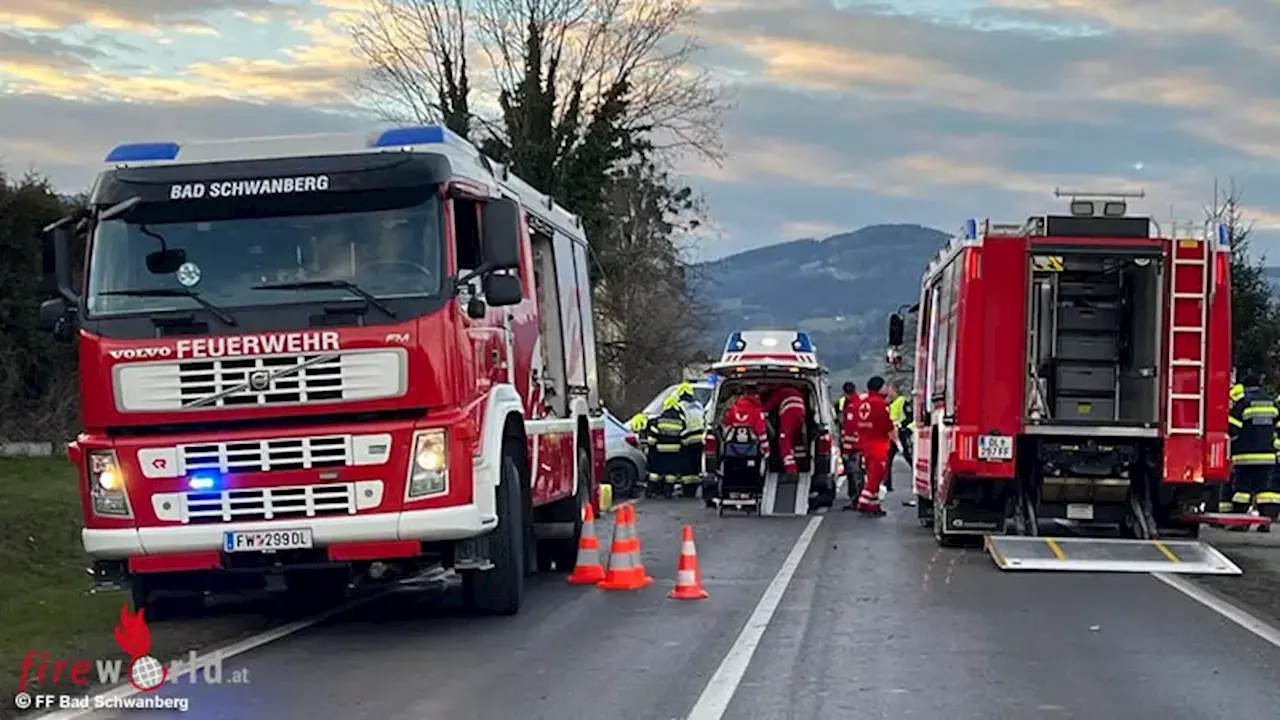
(134, 638)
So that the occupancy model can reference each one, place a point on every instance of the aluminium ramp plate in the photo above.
(1108, 555)
(785, 495)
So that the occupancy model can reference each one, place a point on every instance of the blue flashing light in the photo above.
(137, 152)
(802, 343)
(971, 229)
(713, 379)
(736, 343)
(202, 482)
(1224, 235)
(421, 135)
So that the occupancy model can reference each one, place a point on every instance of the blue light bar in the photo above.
(137, 152)
(421, 135)
(1224, 235)
(736, 343)
(202, 482)
(713, 379)
(971, 229)
(802, 343)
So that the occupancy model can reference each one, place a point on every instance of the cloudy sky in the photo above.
(848, 112)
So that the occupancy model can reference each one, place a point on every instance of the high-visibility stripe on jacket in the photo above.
(666, 432)
(1252, 425)
(694, 422)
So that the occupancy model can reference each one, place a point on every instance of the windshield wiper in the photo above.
(347, 285)
(175, 292)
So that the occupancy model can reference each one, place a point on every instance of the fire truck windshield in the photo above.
(388, 244)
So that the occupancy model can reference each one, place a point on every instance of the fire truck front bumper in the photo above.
(433, 525)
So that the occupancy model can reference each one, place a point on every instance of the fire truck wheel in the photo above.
(500, 589)
(563, 553)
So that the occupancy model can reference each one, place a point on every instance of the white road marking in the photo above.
(716, 696)
(125, 689)
(1223, 607)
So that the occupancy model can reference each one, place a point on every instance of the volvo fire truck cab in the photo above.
(766, 359)
(1072, 374)
(314, 361)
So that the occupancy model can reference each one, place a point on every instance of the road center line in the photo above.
(716, 696)
(1223, 607)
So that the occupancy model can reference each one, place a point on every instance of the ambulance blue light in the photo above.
(202, 482)
(422, 135)
(971, 229)
(802, 343)
(137, 152)
(1224, 235)
(736, 343)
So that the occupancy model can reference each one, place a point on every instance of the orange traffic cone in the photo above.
(688, 576)
(588, 570)
(626, 572)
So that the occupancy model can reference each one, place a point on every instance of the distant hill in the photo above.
(840, 289)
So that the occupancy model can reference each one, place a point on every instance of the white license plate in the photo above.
(1079, 511)
(995, 447)
(267, 540)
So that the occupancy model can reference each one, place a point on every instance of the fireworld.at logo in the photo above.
(143, 671)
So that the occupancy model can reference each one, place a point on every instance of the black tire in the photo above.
(689, 490)
(500, 589)
(563, 554)
(317, 590)
(158, 606)
(624, 476)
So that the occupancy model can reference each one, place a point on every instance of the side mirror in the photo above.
(897, 330)
(501, 236)
(59, 318)
(502, 290)
(166, 262)
(60, 235)
(53, 312)
(476, 309)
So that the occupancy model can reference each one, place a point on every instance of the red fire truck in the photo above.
(315, 361)
(1073, 371)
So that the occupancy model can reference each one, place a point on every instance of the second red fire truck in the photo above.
(1072, 371)
(308, 361)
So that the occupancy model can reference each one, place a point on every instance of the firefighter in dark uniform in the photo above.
(1252, 426)
(665, 441)
(1223, 495)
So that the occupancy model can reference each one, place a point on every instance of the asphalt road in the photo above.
(877, 622)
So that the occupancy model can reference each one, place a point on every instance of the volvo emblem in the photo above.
(259, 380)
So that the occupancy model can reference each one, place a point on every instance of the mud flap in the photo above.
(1108, 555)
(785, 494)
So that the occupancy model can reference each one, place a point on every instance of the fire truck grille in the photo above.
(302, 453)
(231, 383)
(278, 380)
(277, 503)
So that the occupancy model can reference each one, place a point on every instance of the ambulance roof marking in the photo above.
(466, 160)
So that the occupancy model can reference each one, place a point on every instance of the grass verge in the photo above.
(45, 596)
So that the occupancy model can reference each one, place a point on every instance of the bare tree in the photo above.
(653, 317)
(416, 53)
(578, 59)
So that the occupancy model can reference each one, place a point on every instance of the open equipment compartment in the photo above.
(1094, 336)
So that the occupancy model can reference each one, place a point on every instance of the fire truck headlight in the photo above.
(106, 484)
(429, 467)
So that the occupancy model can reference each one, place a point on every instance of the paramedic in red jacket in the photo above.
(788, 402)
(747, 411)
(876, 434)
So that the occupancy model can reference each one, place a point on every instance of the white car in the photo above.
(702, 391)
(625, 460)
